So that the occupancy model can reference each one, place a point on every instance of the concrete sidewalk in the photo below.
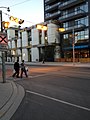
(76, 64)
(11, 95)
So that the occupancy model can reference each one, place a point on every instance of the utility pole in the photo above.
(3, 46)
(3, 52)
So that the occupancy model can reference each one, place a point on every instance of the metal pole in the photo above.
(73, 48)
(3, 67)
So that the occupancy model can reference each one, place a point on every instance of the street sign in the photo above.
(3, 41)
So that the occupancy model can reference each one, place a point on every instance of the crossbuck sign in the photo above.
(3, 41)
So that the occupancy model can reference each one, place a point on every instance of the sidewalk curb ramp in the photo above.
(13, 102)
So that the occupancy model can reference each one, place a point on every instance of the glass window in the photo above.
(82, 21)
(82, 36)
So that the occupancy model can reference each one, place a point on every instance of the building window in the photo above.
(82, 21)
(82, 36)
(40, 36)
(16, 33)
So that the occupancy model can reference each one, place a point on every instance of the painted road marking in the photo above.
(17, 79)
(60, 101)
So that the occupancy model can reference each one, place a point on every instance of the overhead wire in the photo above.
(17, 17)
(19, 3)
(15, 5)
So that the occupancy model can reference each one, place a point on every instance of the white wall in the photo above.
(9, 44)
(53, 34)
(18, 42)
(35, 36)
(35, 41)
(24, 39)
(25, 54)
(10, 33)
(34, 54)
(13, 44)
(18, 52)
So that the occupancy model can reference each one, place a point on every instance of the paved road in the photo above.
(55, 93)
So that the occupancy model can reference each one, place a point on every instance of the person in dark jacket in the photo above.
(23, 69)
(16, 68)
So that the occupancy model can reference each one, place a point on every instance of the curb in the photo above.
(13, 103)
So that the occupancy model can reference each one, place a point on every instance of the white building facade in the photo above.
(32, 45)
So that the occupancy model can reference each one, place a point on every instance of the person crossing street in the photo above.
(23, 69)
(16, 69)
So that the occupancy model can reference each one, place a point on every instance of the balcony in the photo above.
(77, 28)
(69, 4)
(50, 1)
(52, 16)
(74, 15)
(52, 7)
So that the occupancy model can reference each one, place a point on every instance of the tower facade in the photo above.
(74, 16)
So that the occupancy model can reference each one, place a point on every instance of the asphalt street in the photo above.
(55, 93)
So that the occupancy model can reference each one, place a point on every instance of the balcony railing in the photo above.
(75, 27)
(81, 12)
(54, 14)
(49, 1)
(53, 6)
(66, 3)
(69, 3)
(46, 1)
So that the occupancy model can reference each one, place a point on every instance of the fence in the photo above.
(82, 60)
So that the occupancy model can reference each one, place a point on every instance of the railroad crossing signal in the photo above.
(3, 41)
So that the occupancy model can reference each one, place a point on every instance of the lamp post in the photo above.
(73, 44)
(8, 9)
(72, 36)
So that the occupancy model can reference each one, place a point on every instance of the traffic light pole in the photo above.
(3, 57)
(3, 52)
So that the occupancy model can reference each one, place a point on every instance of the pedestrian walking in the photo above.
(23, 69)
(16, 69)
(43, 61)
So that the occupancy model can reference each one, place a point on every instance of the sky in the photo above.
(31, 11)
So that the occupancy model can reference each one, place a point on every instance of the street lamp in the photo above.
(61, 29)
(8, 9)
(41, 27)
(73, 44)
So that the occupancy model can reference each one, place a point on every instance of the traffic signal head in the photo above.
(21, 21)
(8, 9)
(5, 24)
